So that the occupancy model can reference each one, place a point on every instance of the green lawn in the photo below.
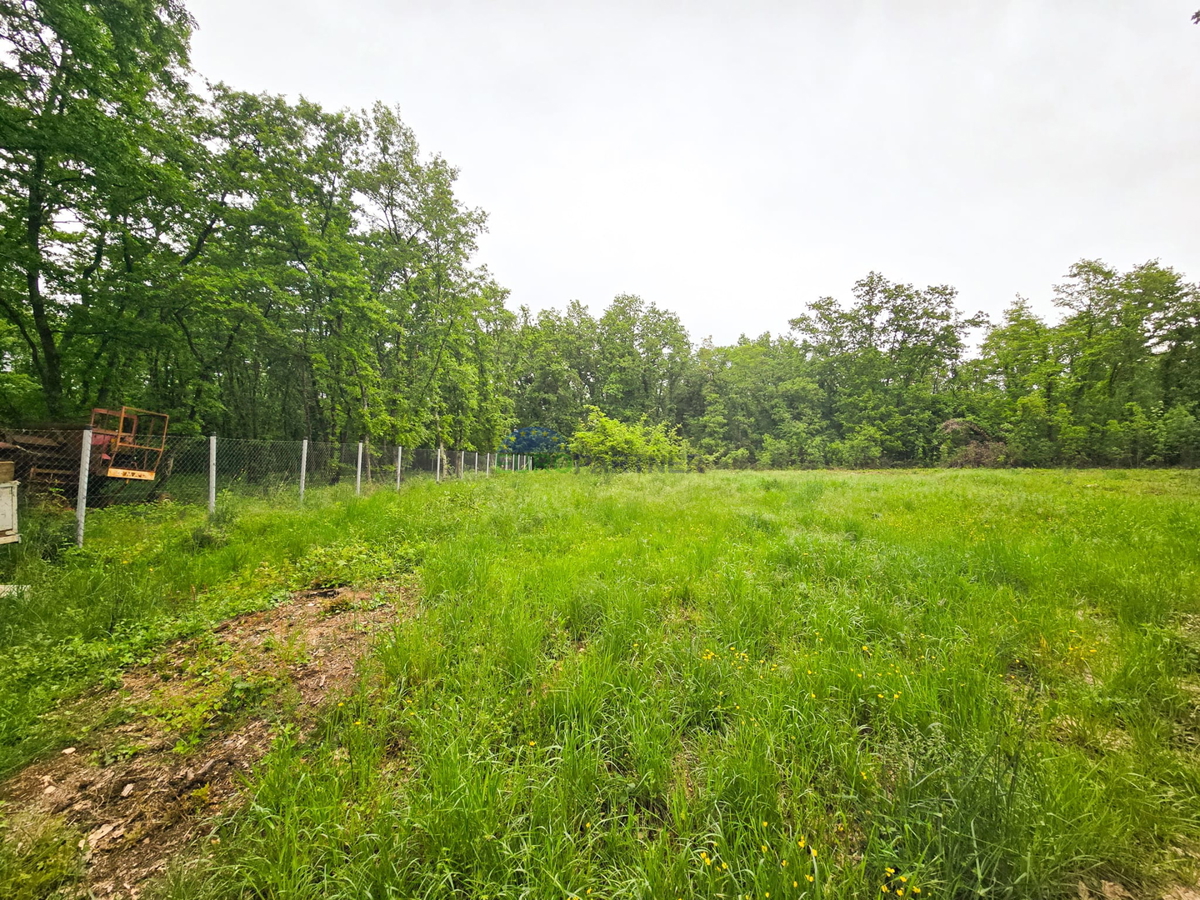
(831, 684)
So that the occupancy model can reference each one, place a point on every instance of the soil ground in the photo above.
(172, 743)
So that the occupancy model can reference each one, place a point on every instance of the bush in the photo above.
(616, 446)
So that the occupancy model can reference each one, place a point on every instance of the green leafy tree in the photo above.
(90, 161)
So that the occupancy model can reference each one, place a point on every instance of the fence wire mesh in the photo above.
(46, 465)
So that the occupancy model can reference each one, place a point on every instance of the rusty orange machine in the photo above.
(129, 442)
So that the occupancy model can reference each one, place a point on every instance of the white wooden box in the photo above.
(8, 512)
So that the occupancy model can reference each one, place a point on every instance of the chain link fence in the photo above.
(71, 468)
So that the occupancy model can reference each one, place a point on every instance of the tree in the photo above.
(889, 362)
(90, 162)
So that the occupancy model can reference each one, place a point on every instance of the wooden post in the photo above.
(358, 472)
(212, 474)
(399, 465)
(303, 466)
(85, 465)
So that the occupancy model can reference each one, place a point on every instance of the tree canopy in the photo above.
(272, 269)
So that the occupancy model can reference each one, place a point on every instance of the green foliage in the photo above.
(612, 446)
(270, 269)
(876, 381)
(245, 264)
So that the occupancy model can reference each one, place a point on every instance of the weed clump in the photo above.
(39, 855)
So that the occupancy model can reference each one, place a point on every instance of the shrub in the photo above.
(616, 446)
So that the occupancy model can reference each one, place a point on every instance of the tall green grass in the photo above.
(152, 573)
(802, 685)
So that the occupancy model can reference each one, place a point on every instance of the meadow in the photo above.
(744, 685)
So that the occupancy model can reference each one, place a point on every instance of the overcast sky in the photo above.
(733, 161)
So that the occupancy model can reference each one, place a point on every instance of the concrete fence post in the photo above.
(399, 465)
(85, 465)
(462, 463)
(212, 474)
(358, 472)
(476, 462)
(303, 467)
(437, 467)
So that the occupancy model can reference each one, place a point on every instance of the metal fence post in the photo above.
(358, 472)
(399, 464)
(303, 466)
(212, 474)
(85, 464)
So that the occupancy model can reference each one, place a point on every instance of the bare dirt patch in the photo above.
(183, 730)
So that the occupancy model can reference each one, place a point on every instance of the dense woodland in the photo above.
(266, 268)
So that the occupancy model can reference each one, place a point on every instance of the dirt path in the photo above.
(173, 741)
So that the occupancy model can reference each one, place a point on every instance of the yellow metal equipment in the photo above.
(129, 441)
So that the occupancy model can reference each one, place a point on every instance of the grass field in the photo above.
(910, 684)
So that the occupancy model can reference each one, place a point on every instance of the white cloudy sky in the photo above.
(734, 160)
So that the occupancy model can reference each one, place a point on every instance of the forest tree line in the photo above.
(271, 269)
